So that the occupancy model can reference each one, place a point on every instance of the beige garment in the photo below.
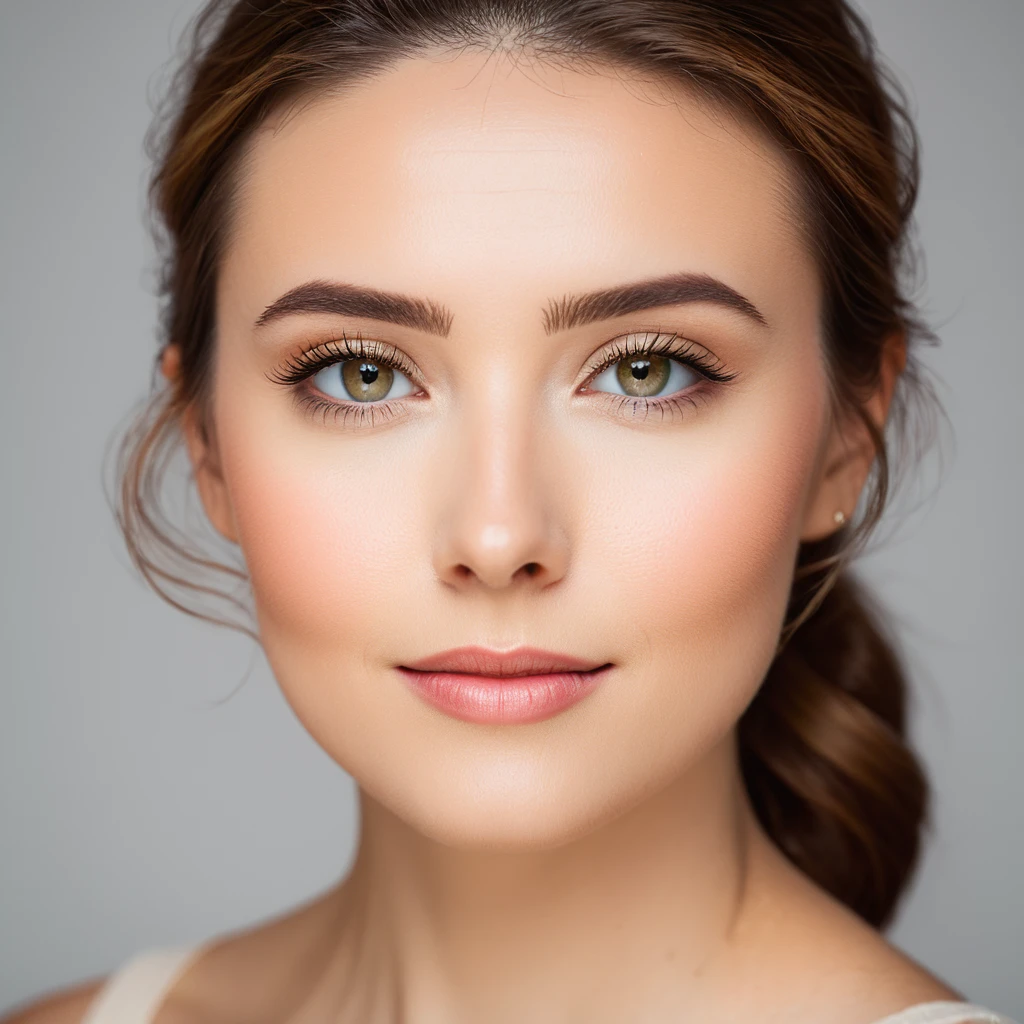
(134, 994)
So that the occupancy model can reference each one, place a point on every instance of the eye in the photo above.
(645, 375)
(362, 380)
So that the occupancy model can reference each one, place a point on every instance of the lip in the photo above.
(525, 684)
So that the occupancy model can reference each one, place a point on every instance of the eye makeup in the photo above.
(297, 373)
(648, 355)
(640, 349)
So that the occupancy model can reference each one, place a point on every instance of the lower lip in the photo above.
(503, 700)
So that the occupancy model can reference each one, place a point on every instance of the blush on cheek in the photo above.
(747, 519)
(318, 538)
(745, 553)
(724, 570)
(718, 543)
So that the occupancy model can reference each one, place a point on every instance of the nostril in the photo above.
(531, 568)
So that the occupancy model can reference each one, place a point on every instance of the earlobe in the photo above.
(852, 451)
(210, 482)
(843, 475)
(170, 363)
(202, 453)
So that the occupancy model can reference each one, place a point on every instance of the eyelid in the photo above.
(307, 362)
(670, 344)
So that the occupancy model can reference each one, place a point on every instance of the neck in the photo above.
(623, 923)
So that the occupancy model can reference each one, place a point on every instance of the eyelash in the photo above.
(304, 365)
(712, 373)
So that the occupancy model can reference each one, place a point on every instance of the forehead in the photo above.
(479, 167)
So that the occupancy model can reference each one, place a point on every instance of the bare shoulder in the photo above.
(242, 974)
(257, 974)
(66, 1006)
(69, 1006)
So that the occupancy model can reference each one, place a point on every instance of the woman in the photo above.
(543, 360)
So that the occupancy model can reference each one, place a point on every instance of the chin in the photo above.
(499, 828)
(507, 808)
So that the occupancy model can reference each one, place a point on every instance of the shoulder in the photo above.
(213, 988)
(69, 1006)
(66, 1006)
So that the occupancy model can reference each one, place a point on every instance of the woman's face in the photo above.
(499, 473)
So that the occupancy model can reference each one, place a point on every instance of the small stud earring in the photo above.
(840, 518)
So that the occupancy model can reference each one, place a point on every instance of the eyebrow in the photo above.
(672, 290)
(353, 300)
(561, 315)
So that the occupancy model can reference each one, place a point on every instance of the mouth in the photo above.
(520, 661)
(526, 684)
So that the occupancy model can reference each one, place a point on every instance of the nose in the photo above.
(500, 525)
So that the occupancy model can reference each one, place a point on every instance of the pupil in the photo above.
(368, 372)
(641, 367)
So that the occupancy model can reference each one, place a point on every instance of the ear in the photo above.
(200, 440)
(851, 452)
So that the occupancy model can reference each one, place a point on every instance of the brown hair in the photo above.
(823, 747)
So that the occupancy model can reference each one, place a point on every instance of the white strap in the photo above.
(946, 1013)
(134, 994)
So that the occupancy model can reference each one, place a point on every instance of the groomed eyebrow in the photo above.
(353, 300)
(672, 290)
(561, 315)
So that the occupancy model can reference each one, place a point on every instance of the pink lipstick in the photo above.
(476, 684)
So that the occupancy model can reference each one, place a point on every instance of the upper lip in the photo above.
(520, 661)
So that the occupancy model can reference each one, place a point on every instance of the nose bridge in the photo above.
(501, 424)
(500, 522)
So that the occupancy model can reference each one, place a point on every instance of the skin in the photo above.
(604, 864)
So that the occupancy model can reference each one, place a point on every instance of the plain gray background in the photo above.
(139, 808)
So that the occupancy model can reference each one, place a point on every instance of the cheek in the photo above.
(699, 559)
(731, 541)
(326, 527)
